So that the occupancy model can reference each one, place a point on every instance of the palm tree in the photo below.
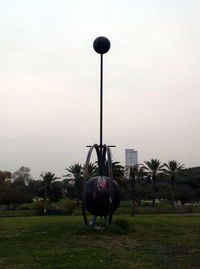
(172, 168)
(91, 171)
(48, 179)
(76, 170)
(137, 172)
(118, 171)
(76, 178)
(153, 168)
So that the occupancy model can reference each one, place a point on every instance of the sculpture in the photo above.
(100, 195)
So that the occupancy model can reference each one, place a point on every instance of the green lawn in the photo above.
(130, 242)
(160, 208)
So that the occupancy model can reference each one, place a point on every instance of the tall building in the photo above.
(131, 157)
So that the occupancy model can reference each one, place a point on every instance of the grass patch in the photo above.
(18, 213)
(69, 207)
(120, 226)
(160, 208)
(65, 242)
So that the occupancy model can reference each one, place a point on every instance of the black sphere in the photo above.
(97, 196)
(101, 45)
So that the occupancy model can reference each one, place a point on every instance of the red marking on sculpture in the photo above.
(101, 184)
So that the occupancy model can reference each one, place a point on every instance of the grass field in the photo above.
(124, 208)
(130, 242)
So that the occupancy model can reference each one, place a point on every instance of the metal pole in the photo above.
(101, 118)
(101, 102)
(101, 45)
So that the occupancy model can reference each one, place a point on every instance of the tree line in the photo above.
(152, 180)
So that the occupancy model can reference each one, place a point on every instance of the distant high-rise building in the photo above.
(131, 157)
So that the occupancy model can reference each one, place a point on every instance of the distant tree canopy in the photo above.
(173, 182)
(172, 169)
(51, 188)
(4, 175)
(153, 180)
(22, 175)
(12, 194)
(74, 181)
(153, 168)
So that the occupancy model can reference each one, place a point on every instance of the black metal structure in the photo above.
(101, 195)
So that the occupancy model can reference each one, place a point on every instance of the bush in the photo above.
(25, 206)
(67, 205)
(40, 204)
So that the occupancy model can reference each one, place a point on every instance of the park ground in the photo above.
(139, 242)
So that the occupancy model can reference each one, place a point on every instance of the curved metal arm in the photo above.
(85, 172)
(101, 156)
(110, 171)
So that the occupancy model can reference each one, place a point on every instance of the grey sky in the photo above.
(49, 81)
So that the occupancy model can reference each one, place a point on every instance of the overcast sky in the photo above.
(49, 81)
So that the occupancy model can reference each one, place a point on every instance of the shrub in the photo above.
(66, 205)
(40, 204)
